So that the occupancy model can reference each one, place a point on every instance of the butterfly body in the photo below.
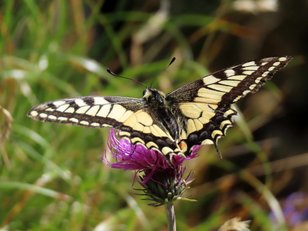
(164, 111)
(197, 113)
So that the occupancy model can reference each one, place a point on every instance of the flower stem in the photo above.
(171, 216)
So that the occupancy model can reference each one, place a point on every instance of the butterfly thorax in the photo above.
(159, 107)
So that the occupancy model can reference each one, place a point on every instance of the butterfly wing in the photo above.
(206, 104)
(129, 115)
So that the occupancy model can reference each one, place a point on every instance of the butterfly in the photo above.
(197, 113)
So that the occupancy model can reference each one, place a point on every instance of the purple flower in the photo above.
(160, 176)
(295, 208)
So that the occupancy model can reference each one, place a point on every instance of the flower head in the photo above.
(160, 176)
(165, 185)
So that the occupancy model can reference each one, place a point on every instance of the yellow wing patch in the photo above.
(197, 114)
(142, 121)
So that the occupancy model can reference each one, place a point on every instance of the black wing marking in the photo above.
(129, 115)
(206, 104)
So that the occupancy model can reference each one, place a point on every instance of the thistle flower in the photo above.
(161, 177)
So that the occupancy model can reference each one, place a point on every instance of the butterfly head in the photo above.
(154, 97)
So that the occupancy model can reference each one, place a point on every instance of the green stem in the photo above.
(171, 216)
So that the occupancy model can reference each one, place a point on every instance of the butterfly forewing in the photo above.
(129, 115)
(91, 111)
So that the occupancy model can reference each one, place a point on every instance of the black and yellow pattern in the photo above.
(195, 114)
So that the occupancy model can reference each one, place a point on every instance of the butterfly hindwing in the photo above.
(206, 103)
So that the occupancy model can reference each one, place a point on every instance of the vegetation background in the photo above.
(52, 176)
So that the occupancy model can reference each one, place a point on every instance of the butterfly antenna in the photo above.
(123, 77)
(171, 61)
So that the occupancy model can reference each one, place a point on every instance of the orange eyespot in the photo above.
(183, 146)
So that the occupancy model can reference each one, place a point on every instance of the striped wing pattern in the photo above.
(206, 103)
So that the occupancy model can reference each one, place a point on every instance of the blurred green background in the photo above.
(52, 176)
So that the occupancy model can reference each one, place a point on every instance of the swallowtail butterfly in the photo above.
(197, 113)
